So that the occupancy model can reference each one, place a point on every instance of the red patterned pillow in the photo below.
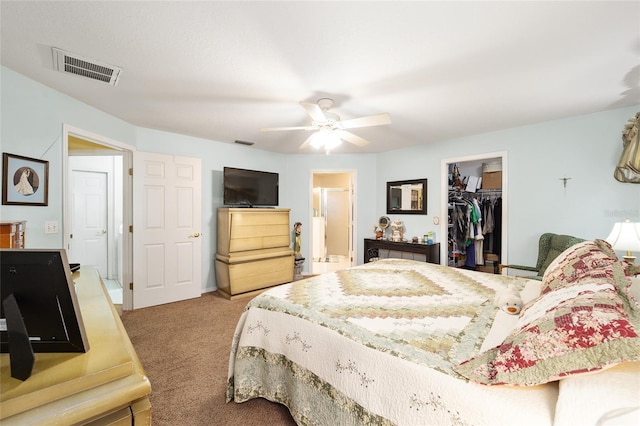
(566, 331)
(588, 259)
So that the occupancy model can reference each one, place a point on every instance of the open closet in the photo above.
(475, 214)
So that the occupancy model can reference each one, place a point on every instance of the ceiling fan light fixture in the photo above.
(316, 141)
(325, 139)
(329, 129)
(332, 140)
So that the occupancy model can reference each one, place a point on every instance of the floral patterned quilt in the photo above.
(376, 344)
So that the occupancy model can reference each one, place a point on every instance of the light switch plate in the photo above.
(51, 227)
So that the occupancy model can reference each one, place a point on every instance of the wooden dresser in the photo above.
(12, 234)
(105, 385)
(254, 250)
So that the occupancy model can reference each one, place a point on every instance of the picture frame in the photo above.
(25, 181)
(407, 197)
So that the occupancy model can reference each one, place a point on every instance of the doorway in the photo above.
(176, 180)
(472, 166)
(332, 223)
(97, 208)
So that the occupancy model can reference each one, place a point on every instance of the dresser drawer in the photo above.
(241, 230)
(258, 242)
(240, 278)
(267, 218)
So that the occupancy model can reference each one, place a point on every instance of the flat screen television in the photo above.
(249, 188)
(39, 310)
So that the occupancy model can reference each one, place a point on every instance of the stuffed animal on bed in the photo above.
(509, 300)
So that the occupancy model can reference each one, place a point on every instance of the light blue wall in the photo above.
(32, 117)
(584, 148)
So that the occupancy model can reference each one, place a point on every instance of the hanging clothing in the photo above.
(475, 238)
(476, 230)
(470, 259)
(497, 232)
(488, 225)
(487, 213)
(479, 237)
(461, 223)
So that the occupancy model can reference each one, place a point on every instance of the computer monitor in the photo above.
(40, 311)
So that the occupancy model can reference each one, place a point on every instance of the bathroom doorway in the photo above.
(332, 224)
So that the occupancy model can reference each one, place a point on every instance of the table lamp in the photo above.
(625, 236)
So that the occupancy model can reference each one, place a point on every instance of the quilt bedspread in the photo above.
(376, 344)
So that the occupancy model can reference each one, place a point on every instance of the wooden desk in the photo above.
(105, 385)
(383, 249)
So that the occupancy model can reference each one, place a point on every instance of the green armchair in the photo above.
(549, 247)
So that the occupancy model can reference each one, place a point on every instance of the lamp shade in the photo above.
(625, 236)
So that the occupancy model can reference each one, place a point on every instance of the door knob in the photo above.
(196, 235)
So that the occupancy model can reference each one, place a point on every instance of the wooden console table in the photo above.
(105, 385)
(382, 249)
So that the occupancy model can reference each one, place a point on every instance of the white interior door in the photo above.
(167, 250)
(89, 242)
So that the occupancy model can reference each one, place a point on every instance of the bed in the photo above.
(408, 343)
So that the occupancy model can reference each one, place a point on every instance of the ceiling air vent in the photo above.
(244, 143)
(75, 64)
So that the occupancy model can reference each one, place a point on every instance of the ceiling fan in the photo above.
(329, 129)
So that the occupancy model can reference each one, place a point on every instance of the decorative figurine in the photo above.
(297, 230)
(378, 231)
(298, 259)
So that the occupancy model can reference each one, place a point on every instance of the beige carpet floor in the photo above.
(184, 348)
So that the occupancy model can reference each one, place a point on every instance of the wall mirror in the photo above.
(407, 197)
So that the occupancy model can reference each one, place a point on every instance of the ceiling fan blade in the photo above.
(273, 129)
(370, 120)
(306, 143)
(314, 111)
(351, 138)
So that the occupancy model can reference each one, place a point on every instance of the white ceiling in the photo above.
(223, 70)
